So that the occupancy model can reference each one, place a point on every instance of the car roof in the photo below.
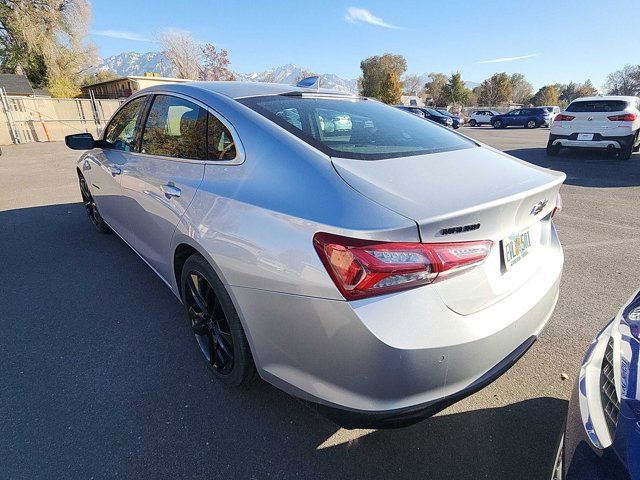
(235, 90)
(628, 98)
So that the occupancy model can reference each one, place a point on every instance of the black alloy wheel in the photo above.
(91, 207)
(215, 323)
(209, 323)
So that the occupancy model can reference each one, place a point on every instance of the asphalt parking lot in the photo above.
(100, 377)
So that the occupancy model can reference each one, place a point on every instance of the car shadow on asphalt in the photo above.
(101, 377)
(586, 168)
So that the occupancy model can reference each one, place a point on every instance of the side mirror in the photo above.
(80, 141)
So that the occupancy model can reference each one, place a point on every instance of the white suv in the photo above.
(612, 123)
(482, 117)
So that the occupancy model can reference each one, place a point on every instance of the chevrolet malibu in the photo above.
(379, 271)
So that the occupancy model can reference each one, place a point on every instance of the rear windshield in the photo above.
(597, 106)
(356, 128)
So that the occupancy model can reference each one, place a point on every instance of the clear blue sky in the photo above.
(563, 40)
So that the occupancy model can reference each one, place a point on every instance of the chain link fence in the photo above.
(43, 119)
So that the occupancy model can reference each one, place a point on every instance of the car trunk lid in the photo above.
(470, 194)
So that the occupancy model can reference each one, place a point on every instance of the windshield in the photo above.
(356, 128)
(597, 106)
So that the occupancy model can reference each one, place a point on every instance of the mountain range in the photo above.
(135, 63)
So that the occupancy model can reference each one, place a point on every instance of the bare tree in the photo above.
(435, 86)
(215, 64)
(521, 90)
(412, 84)
(625, 81)
(50, 34)
(184, 53)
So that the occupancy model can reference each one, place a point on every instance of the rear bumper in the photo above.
(599, 141)
(407, 416)
(395, 359)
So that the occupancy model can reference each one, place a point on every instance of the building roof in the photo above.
(255, 89)
(138, 77)
(15, 84)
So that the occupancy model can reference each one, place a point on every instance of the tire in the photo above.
(531, 124)
(91, 207)
(626, 152)
(497, 124)
(472, 123)
(241, 370)
(552, 150)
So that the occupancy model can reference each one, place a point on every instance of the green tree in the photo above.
(391, 88)
(435, 86)
(455, 91)
(586, 90)
(496, 90)
(375, 73)
(547, 95)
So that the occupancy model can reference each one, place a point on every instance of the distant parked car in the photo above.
(611, 122)
(482, 117)
(458, 120)
(522, 117)
(601, 440)
(429, 113)
(552, 111)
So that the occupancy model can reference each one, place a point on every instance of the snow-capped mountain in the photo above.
(134, 63)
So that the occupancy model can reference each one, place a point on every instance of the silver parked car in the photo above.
(381, 270)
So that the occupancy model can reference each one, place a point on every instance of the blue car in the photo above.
(457, 121)
(429, 114)
(601, 440)
(522, 117)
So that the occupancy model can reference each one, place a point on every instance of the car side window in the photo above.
(219, 139)
(120, 134)
(175, 128)
(515, 112)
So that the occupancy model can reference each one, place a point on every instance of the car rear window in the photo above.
(597, 106)
(356, 128)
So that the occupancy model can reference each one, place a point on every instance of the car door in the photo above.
(108, 163)
(512, 118)
(162, 178)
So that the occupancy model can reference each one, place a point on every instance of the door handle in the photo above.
(170, 190)
(114, 170)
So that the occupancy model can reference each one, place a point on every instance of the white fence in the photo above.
(42, 119)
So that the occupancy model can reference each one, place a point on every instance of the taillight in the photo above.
(627, 117)
(558, 208)
(561, 117)
(364, 268)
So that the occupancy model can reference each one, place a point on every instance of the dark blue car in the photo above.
(522, 117)
(429, 114)
(601, 440)
(457, 121)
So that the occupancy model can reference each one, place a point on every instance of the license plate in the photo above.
(516, 247)
(585, 136)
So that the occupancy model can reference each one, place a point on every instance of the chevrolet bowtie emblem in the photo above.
(538, 207)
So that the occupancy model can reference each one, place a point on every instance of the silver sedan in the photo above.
(373, 264)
